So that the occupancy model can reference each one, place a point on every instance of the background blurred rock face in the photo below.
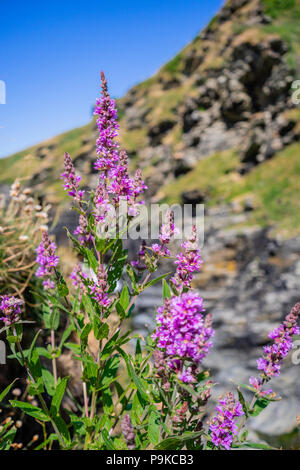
(216, 125)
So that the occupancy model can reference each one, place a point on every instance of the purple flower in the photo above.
(274, 354)
(128, 431)
(77, 276)
(121, 184)
(47, 259)
(183, 333)
(101, 202)
(113, 162)
(10, 309)
(223, 427)
(107, 146)
(71, 179)
(257, 383)
(188, 262)
(167, 231)
(82, 231)
(99, 288)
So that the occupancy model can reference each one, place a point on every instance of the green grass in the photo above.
(210, 175)
(174, 65)
(275, 8)
(274, 186)
(286, 24)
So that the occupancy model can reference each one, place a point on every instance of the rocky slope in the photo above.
(217, 125)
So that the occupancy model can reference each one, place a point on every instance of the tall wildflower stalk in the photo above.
(161, 400)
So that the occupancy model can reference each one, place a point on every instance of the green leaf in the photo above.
(116, 268)
(74, 347)
(13, 339)
(58, 396)
(7, 440)
(63, 429)
(48, 381)
(138, 351)
(176, 442)
(167, 294)
(137, 410)
(32, 346)
(101, 329)
(257, 446)
(88, 306)
(140, 383)
(52, 437)
(93, 263)
(35, 365)
(260, 405)
(132, 276)
(109, 372)
(121, 393)
(100, 244)
(157, 279)
(62, 289)
(85, 334)
(243, 402)
(30, 410)
(107, 440)
(6, 390)
(51, 317)
(66, 335)
(154, 427)
(124, 298)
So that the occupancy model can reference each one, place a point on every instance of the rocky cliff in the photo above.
(217, 125)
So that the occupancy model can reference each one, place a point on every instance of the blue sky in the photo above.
(52, 53)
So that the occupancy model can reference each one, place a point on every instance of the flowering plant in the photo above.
(161, 400)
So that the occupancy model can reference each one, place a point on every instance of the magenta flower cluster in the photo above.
(223, 426)
(274, 354)
(107, 123)
(183, 333)
(71, 179)
(47, 260)
(114, 183)
(77, 277)
(99, 288)
(82, 230)
(167, 231)
(188, 261)
(112, 162)
(10, 309)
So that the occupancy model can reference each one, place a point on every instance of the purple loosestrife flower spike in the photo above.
(128, 432)
(107, 146)
(183, 333)
(77, 276)
(101, 202)
(10, 309)
(121, 184)
(82, 231)
(274, 354)
(223, 427)
(99, 289)
(71, 179)
(47, 259)
(167, 231)
(113, 162)
(188, 261)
